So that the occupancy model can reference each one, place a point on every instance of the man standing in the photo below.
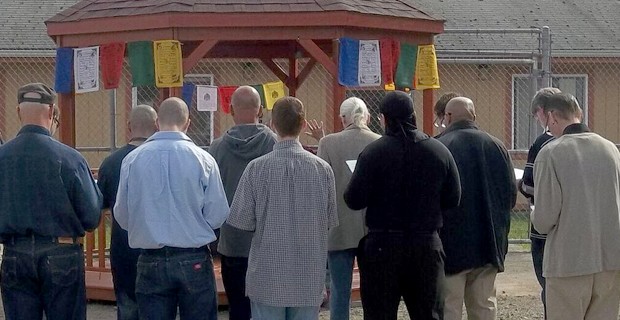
(244, 142)
(288, 198)
(49, 200)
(170, 199)
(475, 234)
(123, 259)
(404, 179)
(577, 179)
(526, 184)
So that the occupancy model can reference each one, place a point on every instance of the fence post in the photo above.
(112, 120)
(546, 56)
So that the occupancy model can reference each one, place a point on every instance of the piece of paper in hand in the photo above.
(518, 174)
(351, 164)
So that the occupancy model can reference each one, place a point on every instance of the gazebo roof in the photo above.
(97, 21)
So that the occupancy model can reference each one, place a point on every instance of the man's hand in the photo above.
(316, 129)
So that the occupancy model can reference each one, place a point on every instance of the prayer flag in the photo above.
(225, 95)
(141, 63)
(359, 63)
(112, 55)
(64, 70)
(168, 63)
(188, 93)
(405, 70)
(261, 93)
(427, 75)
(206, 98)
(390, 50)
(86, 69)
(273, 92)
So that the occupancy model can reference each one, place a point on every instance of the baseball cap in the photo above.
(37, 93)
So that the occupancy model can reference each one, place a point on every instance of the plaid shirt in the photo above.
(288, 197)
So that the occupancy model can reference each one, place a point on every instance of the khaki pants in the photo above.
(475, 287)
(590, 297)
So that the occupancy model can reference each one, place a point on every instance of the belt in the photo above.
(33, 238)
(174, 250)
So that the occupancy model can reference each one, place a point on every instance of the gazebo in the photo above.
(235, 29)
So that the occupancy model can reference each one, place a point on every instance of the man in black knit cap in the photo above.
(405, 179)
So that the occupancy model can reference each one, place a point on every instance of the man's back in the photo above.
(476, 232)
(293, 193)
(580, 196)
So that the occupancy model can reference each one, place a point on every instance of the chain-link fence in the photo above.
(500, 70)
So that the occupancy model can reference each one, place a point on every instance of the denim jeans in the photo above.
(176, 277)
(234, 270)
(538, 250)
(264, 312)
(341, 274)
(43, 277)
(395, 265)
(123, 262)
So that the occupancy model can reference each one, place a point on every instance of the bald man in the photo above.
(475, 234)
(170, 200)
(123, 259)
(244, 142)
(49, 200)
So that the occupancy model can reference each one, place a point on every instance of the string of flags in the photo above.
(387, 63)
(207, 97)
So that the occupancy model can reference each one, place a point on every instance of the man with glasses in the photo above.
(526, 184)
(577, 179)
(440, 111)
(49, 200)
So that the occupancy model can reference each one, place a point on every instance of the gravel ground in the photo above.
(517, 290)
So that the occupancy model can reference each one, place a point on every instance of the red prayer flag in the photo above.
(225, 94)
(111, 61)
(390, 51)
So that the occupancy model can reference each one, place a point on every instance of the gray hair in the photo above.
(542, 96)
(354, 110)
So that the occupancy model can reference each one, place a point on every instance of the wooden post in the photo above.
(339, 91)
(293, 71)
(427, 109)
(66, 104)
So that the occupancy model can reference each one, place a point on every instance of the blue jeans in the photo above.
(538, 250)
(176, 277)
(341, 274)
(264, 312)
(40, 276)
(123, 261)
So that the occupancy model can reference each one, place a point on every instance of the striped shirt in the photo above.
(288, 198)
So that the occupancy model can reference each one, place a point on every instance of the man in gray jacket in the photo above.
(244, 142)
(577, 179)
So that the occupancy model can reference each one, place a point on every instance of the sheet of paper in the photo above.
(351, 164)
(86, 69)
(206, 98)
(518, 174)
(369, 64)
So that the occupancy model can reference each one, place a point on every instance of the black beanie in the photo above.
(397, 105)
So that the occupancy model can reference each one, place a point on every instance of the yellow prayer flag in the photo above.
(273, 92)
(168, 63)
(426, 73)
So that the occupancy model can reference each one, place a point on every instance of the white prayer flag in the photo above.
(206, 98)
(86, 69)
(369, 64)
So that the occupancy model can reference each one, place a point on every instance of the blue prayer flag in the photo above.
(188, 93)
(64, 70)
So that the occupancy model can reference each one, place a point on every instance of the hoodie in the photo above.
(232, 152)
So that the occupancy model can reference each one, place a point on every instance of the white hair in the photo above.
(354, 111)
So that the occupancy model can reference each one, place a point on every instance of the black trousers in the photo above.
(233, 277)
(394, 265)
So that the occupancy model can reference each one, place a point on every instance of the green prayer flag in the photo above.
(261, 93)
(405, 69)
(141, 63)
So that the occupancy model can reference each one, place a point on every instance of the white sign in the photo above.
(369, 65)
(206, 98)
(86, 69)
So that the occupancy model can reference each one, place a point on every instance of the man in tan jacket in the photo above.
(577, 178)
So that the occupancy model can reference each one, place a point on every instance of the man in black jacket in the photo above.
(475, 234)
(405, 179)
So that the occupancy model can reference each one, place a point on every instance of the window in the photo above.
(201, 127)
(525, 129)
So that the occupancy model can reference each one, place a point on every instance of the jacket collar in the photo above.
(461, 125)
(576, 128)
(31, 128)
(169, 135)
(287, 144)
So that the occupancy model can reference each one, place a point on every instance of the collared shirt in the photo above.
(170, 194)
(288, 197)
(47, 187)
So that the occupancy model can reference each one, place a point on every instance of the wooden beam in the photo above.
(292, 81)
(276, 69)
(306, 71)
(427, 111)
(318, 54)
(339, 92)
(197, 54)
